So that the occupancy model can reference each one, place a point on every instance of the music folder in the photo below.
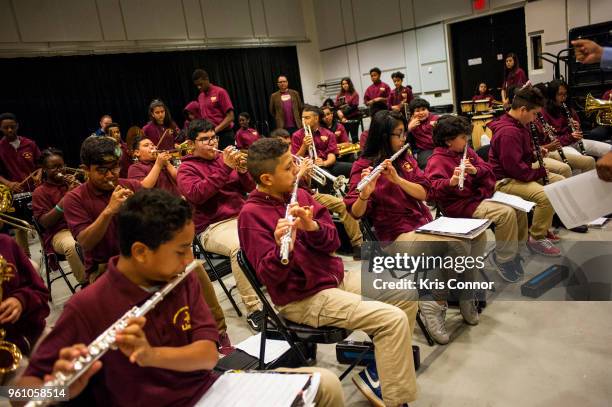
(465, 228)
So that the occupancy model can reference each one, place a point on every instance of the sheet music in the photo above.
(512, 200)
(598, 223)
(274, 348)
(580, 199)
(257, 389)
(457, 226)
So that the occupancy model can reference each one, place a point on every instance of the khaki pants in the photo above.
(222, 238)
(534, 192)
(578, 162)
(511, 227)
(592, 147)
(330, 390)
(390, 327)
(210, 297)
(336, 205)
(63, 243)
(554, 166)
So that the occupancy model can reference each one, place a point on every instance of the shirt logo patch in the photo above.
(285, 98)
(27, 155)
(254, 133)
(182, 318)
(213, 99)
(407, 167)
(324, 138)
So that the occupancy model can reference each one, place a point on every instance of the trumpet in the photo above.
(462, 168)
(312, 149)
(10, 355)
(379, 168)
(286, 239)
(321, 176)
(241, 160)
(182, 150)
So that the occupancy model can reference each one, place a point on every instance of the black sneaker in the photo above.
(508, 270)
(518, 263)
(255, 320)
(580, 229)
(356, 252)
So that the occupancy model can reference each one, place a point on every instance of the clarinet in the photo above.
(538, 151)
(462, 167)
(379, 168)
(570, 121)
(286, 239)
(106, 340)
(550, 132)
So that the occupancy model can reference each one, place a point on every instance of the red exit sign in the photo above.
(480, 4)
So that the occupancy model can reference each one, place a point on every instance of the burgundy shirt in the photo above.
(454, 202)
(215, 191)
(324, 141)
(17, 165)
(349, 99)
(341, 134)
(141, 169)
(391, 211)
(312, 267)
(214, 105)
(489, 97)
(180, 319)
(400, 95)
(287, 105)
(363, 138)
(154, 132)
(511, 153)
(27, 287)
(246, 137)
(515, 78)
(423, 133)
(82, 206)
(125, 161)
(561, 125)
(376, 90)
(44, 198)
(607, 95)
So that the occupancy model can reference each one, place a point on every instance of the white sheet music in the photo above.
(512, 200)
(257, 389)
(598, 223)
(274, 348)
(456, 226)
(580, 199)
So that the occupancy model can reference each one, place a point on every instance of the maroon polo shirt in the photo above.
(341, 134)
(324, 141)
(17, 164)
(376, 90)
(214, 105)
(423, 133)
(27, 286)
(391, 211)
(246, 137)
(400, 95)
(180, 319)
(125, 161)
(287, 105)
(82, 206)
(363, 138)
(516, 77)
(558, 121)
(215, 191)
(44, 198)
(139, 170)
(154, 132)
(351, 99)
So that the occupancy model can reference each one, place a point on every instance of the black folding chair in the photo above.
(300, 337)
(218, 271)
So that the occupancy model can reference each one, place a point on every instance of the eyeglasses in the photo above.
(282, 82)
(104, 170)
(402, 136)
(207, 140)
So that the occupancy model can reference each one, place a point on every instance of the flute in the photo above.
(107, 339)
(550, 132)
(462, 168)
(538, 151)
(379, 168)
(286, 239)
(570, 122)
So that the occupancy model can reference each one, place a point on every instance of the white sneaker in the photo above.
(434, 316)
(469, 311)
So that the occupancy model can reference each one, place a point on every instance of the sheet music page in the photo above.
(274, 348)
(454, 225)
(255, 390)
(512, 200)
(580, 199)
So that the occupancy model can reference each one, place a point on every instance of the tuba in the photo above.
(603, 109)
(10, 355)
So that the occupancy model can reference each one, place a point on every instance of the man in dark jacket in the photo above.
(286, 106)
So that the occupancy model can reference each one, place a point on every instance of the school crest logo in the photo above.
(213, 99)
(324, 138)
(27, 155)
(182, 318)
(382, 88)
(407, 167)
(254, 133)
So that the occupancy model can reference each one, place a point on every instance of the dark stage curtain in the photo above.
(59, 100)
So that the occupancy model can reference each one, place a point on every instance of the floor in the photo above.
(523, 353)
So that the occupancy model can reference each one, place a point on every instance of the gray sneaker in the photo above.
(434, 315)
(469, 311)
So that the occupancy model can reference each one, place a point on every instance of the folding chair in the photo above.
(300, 337)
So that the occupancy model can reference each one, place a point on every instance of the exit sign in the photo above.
(480, 4)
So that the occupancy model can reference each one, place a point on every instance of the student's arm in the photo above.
(359, 203)
(198, 188)
(151, 178)
(439, 176)
(510, 158)
(225, 104)
(325, 237)
(13, 186)
(44, 210)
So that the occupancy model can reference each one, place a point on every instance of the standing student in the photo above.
(512, 155)
(286, 106)
(393, 202)
(421, 127)
(513, 76)
(104, 122)
(47, 204)
(114, 131)
(245, 136)
(443, 171)
(331, 123)
(161, 129)
(152, 167)
(556, 115)
(401, 95)
(216, 184)
(483, 93)
(378, 92)
(216, 107)
(346, 104)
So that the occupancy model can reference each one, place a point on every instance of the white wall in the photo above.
(309, 58)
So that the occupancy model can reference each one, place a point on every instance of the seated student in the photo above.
(331, 202)
(245, 136)
(47, 204)
(324, 141)
(114, 131)
(347, 106)
(377, 93)
(483, 93)
(394, 204)
(216, 184)
(450, 138)
(421, 126)
(401, 95)
(511, 156)
(25, 298)
(313, 289)
(569, 134)
(330, 122)
(161, 129)
(190, 112)
(153, 169)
